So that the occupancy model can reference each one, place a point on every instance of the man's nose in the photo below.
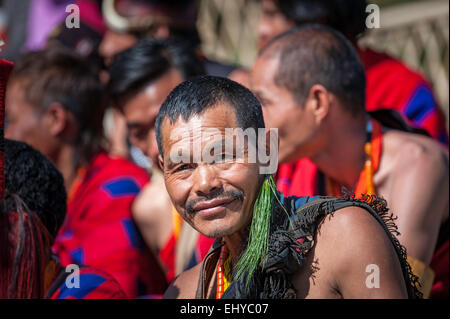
(206, 180)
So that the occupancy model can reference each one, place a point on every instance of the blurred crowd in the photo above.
(83, 182)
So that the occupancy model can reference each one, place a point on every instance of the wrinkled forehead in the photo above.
(210, 125)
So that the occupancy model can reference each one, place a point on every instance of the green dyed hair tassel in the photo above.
(258, 241)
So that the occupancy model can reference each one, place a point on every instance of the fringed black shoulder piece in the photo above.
(292, 236)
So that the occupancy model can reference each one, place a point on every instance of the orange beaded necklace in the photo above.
(223, 271)
(372, 150)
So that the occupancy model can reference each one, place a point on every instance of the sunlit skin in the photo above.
(323, 130)
(24, 123)
(214, 215)
(296, 124)
(330, 271)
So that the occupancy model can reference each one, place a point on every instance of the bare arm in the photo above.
(419, 197)
(356, 258)
(185, 285)
(152, 212)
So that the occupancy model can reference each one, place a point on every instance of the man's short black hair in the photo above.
(347, 16)
(195, 96)
(317, 54)
(147, 61)
(38, 183)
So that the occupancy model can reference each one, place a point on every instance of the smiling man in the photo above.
(141, 78)
(267, 245)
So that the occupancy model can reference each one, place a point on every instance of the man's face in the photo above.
(141, 110)
(215, 197)
(296, 126)
(271, 23)
(24, 123)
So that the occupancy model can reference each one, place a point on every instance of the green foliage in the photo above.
(256, 251)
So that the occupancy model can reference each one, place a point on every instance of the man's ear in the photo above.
(57, 118)
(319, 100)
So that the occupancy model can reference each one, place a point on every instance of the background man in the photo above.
(140, 80)
(312, 87)
(228, 199)
(55, 103)
(390, 84)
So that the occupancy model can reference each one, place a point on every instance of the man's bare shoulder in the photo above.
(346, 243)
(185, 285)
(413, 148)
(350, 226)
(152, 202)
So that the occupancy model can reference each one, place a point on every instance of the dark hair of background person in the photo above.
(35, 179)
(147, 61)
(195, 96)
(58, 75)
(317, 54)
(347, 16)
(182, 26)
(33, 210)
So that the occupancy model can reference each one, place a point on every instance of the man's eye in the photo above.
(183, 167)
(140, 134)
(224, 157)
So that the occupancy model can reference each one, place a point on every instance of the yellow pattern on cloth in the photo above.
(227, 276)
(425, 273)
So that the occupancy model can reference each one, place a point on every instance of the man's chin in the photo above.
(216, 232)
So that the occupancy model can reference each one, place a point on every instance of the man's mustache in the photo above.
(217, 194)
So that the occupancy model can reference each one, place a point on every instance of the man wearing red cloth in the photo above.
(318, 107)
(390, 84)
(54, 103)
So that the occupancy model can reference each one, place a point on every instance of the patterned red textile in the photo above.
(391, 85)
(99, 230)
(440, 265)
(92, 284)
